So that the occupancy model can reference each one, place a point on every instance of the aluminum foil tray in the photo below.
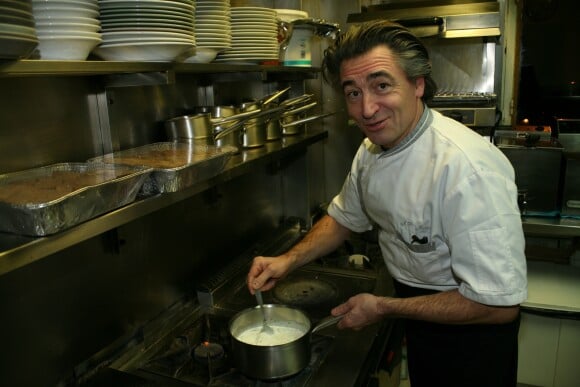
(175, 165)
(49, 199)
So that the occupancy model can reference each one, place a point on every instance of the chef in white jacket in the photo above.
(444, 202)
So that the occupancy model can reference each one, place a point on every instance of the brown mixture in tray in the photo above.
(162, 158)
(43, 189)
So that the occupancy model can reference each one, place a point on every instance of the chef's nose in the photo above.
(369, 106)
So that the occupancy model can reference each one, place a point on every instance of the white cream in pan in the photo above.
(277, 333)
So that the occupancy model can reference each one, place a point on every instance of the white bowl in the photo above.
(66, 27)
(66, 20)
(43, 4)
(203, 55)
(146, 51)
(78, 33)
(65, 12)
(66, 47)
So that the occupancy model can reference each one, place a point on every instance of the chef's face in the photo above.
(385, 104)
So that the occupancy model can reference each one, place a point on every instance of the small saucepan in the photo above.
(277, 351)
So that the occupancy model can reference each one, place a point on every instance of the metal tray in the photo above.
(175, 165)
(59, 198)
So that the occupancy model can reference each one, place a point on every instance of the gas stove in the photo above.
(189, 345)
(201, 356)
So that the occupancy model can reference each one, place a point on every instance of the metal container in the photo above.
(232, 139)
(253, 134)
(88, 190)
(195, 129)
(270, 362)
(175, 165)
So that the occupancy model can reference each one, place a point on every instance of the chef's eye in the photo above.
(383, 86)
(352, 94)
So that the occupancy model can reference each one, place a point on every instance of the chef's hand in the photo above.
(266, 271)
(359, 311)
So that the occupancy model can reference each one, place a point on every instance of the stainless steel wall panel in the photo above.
(45, 121)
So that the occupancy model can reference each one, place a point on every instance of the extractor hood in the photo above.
(446, 19)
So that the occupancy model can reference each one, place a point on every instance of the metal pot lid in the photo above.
(305, 291)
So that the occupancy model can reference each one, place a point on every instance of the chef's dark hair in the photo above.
(360, 38)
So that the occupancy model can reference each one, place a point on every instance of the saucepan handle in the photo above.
(326, 322)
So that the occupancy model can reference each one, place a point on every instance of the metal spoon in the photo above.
(265, 326)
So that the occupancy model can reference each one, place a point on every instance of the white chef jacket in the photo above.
(445, 204)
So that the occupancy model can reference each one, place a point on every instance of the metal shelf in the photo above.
(27, 67)
(17, 251)
(551, 227)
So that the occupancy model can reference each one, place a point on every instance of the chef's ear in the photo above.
(419, 87)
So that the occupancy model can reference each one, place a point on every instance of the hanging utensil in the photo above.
(299, 109)
(305, 120)
(297, 100)
(272, 97)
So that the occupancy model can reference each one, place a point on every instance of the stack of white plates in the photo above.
(213, 31)
(254, 36)
(146, 30)
(17, 33)
(66, 29)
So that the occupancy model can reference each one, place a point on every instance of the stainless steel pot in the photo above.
(194, 129)
(267, 362)
(203, 128)
(222, 112)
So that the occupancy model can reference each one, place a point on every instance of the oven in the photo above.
(189, 344)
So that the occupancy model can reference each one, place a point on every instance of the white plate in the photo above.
(213, 43)
(108, 42)
(146, 21)
(163, 13)
(254, 10)
(167, 16)
(205, 30)
(144, 34)
(219, 8)
(16, 29)
(150, 29)
(147, 52)
(145, 3)
(9, 11)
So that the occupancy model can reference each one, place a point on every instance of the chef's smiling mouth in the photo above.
(375, 125)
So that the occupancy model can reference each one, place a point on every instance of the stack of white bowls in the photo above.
(66, 29)
(17, 33)
(213, 31)
(146, 30)
(254, 36)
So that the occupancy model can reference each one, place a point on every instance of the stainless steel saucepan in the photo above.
(278, 352)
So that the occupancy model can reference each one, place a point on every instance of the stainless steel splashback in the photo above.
(463, 65)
